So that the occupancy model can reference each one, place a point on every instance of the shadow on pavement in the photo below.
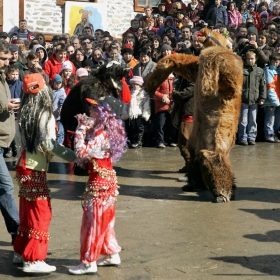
(266, 214)
(266, 264)
(270, 236)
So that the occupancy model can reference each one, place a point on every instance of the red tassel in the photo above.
(125, 94)
(130, 74)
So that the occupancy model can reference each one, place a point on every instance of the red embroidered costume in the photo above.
(97, 231)
(35, 207)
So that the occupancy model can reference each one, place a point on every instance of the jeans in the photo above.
(271, 121)
(163, 119)
(60, 133)
(247, 126)
(7, 202)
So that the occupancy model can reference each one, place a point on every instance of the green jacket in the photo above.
(7, 118)
(254, 85)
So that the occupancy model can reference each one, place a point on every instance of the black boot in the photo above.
(14, 148)
(138, 143)
(8, 152)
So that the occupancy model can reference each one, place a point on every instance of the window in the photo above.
(140, 4)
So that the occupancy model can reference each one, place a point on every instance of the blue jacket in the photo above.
(217, 14)
(272, 75)
(59, 96)
(15, 87)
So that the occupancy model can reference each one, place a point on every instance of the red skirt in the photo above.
(97, 230)
(35, 215)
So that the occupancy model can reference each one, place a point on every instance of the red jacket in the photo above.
(165, 88)
(52, 66)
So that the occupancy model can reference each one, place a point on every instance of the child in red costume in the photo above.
(99, 140)
(37, 129)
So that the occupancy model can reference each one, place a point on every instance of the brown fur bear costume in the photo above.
(218, 77)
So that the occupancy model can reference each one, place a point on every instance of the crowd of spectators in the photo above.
(163, 30)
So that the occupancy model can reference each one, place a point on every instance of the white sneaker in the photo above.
(38, 267)
(83, 268)
(17, 258)
(113, 260)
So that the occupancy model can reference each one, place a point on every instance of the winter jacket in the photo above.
(161, 30)
(14, 37)
(260, 26)
(245, 16)
(7, 119)
(166, 88)
(148, 69)
(254, 16)
(15, 87)
(196, 13)
(58, 97)
(234, 18)
(52, 66)
(217, 14)
(254, 86)
(42, 62)
(272, 76)
(183, 97)
(139, 105)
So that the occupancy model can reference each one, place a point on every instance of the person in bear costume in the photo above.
(218, 77)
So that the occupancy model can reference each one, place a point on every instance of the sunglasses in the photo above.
(86, 43)
(170, 31)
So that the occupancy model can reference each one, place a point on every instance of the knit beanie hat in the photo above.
(57, 78)
(66, 65)
(165, 47)
(253, 29)
(127, 48)
(81, 72)
(251, 5)
(138, 80)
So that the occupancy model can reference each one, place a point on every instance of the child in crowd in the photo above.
(263, 20)
(138, 110)
(272, 103)
(217, 13)
(253, 94)
(251, 7)
(81, 73)
(68, 78)
(15, 86)
(99, 140)
(58, 95)
(127, 54)
(37, 129)
(133, 29)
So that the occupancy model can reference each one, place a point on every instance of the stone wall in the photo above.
(43, 16)
(119, 15)
(46, 16)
